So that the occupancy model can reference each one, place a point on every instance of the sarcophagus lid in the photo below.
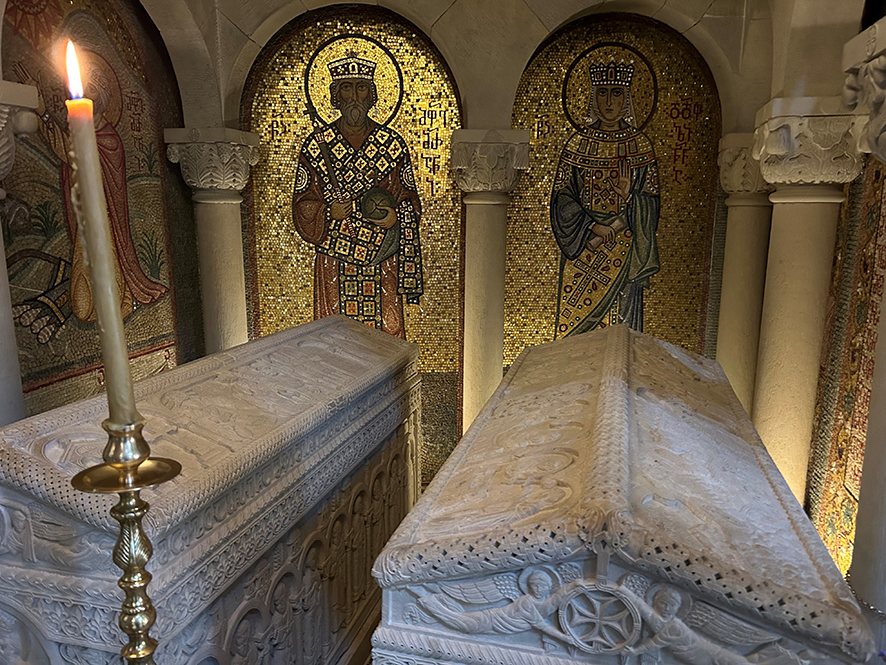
(613, 504)
(265, 432)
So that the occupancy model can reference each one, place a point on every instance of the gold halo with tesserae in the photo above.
(388, 77)
(577, 82)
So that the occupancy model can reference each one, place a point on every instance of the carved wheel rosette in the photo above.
(599, 620)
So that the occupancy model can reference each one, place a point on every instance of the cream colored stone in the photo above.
(798, 275)
(299, 457)
(423, 13)
(195, 68)
(808, 40)
(744, 264)
(612, 498)
(554, 13)
(487, 165)
(487, 50)
(215, 164)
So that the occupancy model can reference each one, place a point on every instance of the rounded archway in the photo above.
(651, 182)
(391, 259)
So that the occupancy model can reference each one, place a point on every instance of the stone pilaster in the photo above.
(864, 61)
(16, 117)
(744, 263)
(808, 148)
(215, 164)
(487, 165)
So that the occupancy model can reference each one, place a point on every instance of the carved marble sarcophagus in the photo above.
(612, 504)
(299, 459)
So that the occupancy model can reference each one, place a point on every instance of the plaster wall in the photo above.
(808, 38)
(486, 43)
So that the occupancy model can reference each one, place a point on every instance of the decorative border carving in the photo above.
(223, 166)
(490, 165)
(809, 150)
(740, 172)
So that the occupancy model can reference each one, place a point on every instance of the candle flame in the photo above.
(74, 84)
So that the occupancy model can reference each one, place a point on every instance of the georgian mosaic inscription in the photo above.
(613, 223)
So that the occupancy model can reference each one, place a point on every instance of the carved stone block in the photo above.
(612, 504)
(299, 458)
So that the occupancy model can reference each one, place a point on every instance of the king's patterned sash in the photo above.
(355, 239)
(358, 242)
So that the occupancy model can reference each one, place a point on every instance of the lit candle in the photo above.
(95, 233)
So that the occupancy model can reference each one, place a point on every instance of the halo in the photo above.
(523, 579)
(577, 86)
(388, 76)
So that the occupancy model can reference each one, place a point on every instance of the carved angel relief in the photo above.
(558, 604)
(634, 618)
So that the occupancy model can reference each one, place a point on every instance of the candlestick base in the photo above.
(111, 478)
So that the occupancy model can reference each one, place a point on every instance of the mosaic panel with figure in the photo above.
(53, 307)
(353, 209)
(614, 222)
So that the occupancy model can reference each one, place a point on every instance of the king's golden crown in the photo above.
(611, 73)
(352, 67)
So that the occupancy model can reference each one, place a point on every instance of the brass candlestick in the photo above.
(128, 468)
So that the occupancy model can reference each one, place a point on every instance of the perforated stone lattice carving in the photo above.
(613, 453)
(267, 434)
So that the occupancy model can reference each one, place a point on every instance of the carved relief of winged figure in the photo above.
(525, 611)
(686, 639)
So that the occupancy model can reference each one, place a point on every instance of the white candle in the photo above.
(95, 234)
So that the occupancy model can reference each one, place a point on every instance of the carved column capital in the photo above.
(489, 161)
(864, 61)
(808, 141)
(213, 159)
(739, 171)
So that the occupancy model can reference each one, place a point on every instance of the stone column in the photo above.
(487, 165)
(215, 164)
(807, 147)
(864, 61)
(744, 264)
(16, 117)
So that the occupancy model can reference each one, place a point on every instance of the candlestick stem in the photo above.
(131, 554)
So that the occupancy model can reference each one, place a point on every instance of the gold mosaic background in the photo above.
(143, 100)
(847, 363)
(282, 264)
(684, 128)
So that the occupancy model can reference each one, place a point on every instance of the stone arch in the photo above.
(670, 120)
(191, 60)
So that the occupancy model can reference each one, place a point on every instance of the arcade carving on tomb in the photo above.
(299, 455)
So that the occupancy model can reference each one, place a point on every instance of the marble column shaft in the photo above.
(215, 165)
(16, 117)
(807, 147)
(864, 61)
(487, 165)
(744, 264)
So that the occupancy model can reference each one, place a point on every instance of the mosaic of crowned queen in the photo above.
(604, 211)
(355, 200)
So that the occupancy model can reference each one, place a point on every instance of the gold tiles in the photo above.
(677, 107)
(417, 98)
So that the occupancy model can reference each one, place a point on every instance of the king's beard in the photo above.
(355, 113)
